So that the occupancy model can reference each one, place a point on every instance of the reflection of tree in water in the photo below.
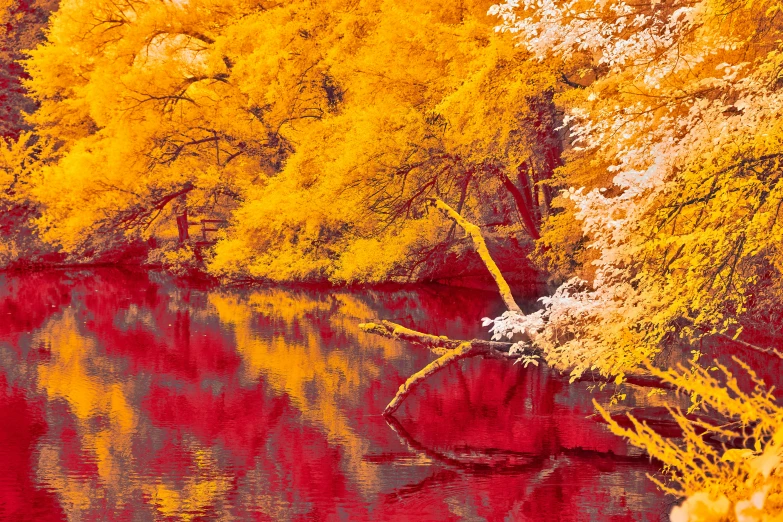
(537, 455)
(322, 381)
(166, 401)
(131, 334)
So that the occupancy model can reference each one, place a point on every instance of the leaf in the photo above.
(737, 455)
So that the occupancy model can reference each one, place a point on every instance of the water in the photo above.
(125, 396)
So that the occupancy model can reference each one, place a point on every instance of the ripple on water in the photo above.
(127, 396)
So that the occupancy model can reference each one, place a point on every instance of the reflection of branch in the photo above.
(438, 456)
(644, 380)
(436, 481)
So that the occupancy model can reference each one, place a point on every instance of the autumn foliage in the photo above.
(630, 151)
(308, 136)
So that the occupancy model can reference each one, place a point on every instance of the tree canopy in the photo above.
(315, 131)
(675, 182)
(632, 152)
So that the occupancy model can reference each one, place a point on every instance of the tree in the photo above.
(296, 125)
(675, 143)
(22, 154)
(22, 24)
(684, 234)
(20, 163)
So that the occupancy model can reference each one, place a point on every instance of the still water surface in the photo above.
(127, 396)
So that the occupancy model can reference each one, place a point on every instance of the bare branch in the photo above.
(438, 344)
(452, 350)
(483, 252)
(464, 350)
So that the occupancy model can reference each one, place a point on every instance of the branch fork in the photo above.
(453, 350)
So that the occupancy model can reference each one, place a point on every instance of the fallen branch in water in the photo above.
(644, 380)
(448, 350)
(452, 350)
(438, 344)
(478, 466)
(462, 351)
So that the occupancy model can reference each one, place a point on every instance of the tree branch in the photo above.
(452, 350)
(438, 344)
(566, 80)
(481, 247)
(750, 346)
(525, 211)
(448, 350)
(462, 351)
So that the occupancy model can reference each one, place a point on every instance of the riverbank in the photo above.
(462, 270)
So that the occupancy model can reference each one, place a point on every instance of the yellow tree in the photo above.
(21, 27)
(674, 142)
(157, 104)
(413, 123)
(676, 185)
(316, 130)
(20, 164)
(21, 153)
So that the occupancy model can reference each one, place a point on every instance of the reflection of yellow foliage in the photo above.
(295, 368)
(77, 375)
(76, 494)
(80, 375)
(201, 493)
(321, 382)
(107, 424)
(278, 304)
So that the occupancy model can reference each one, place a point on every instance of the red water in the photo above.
(125, 396)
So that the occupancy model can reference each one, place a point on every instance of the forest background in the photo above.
(627, 153)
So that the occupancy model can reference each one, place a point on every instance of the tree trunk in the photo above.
(181, 212)
(525, 210)
(551, 147)
(461, 203)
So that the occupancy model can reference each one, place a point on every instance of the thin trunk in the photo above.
(549, 140)
(536, 209)
(525, 210)
(547, 190)
(461, 203)
(181, 211)
(523, 174)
